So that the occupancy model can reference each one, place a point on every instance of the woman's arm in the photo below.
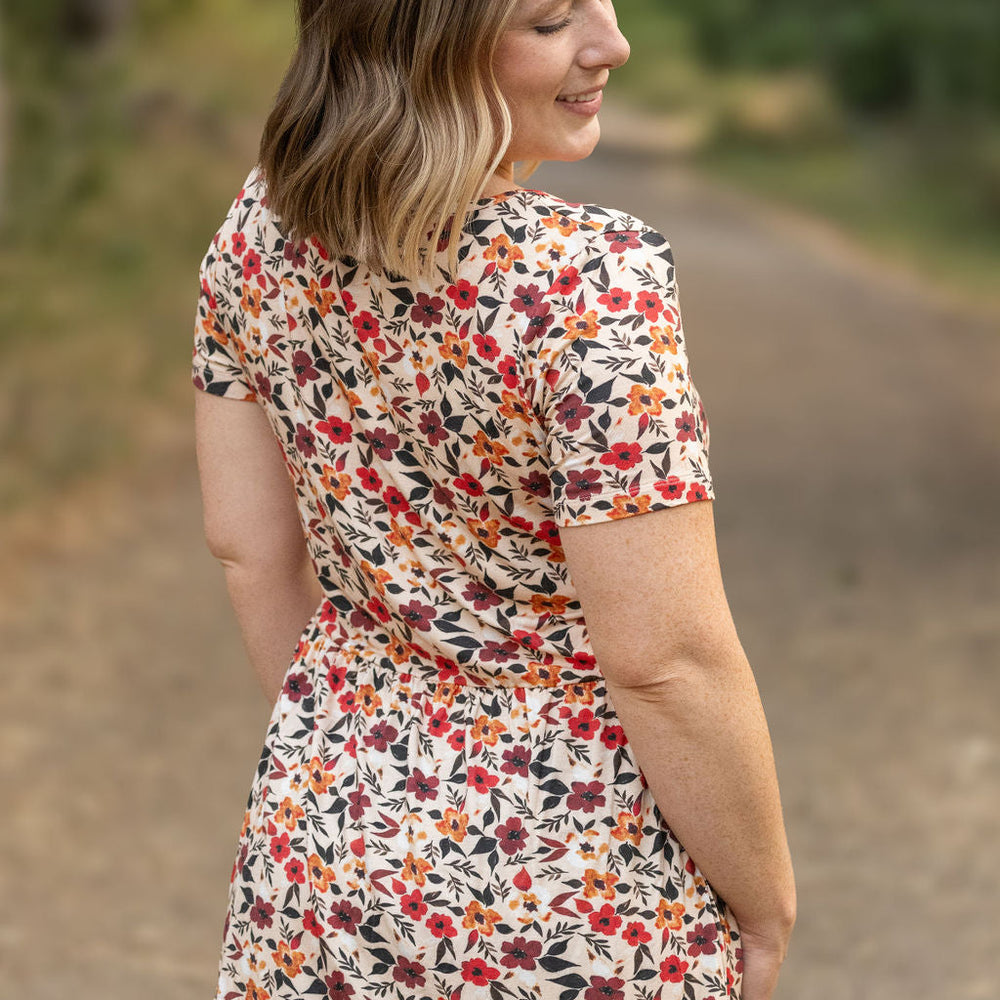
(651, 591)
(252, 527)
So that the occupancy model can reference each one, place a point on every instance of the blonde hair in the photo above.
(386, 128)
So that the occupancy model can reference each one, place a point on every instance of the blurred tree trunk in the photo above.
(90, 22)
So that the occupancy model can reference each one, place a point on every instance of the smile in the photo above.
(580, 98)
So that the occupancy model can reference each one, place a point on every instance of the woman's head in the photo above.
(393, 115)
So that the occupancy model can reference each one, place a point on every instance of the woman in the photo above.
(424, 448)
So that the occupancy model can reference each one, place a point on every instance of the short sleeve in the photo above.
(625, 426)
(216, 359)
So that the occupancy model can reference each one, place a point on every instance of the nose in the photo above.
(606, 45)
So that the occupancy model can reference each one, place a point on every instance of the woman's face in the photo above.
(553, 50)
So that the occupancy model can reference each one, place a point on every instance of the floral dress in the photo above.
(446, 805)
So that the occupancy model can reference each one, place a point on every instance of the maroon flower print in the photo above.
(516, 760)
(432, 426)
(417, 615)
(382, 734)
(481, 596)
(357, 798)
(423, 786)
(427, 310)
(701, 939)
(297, 686)
(337, 986)
(620, 242)
(262, 913)
(520, 953)
(605, 989)
(344, 915)
(528, 299)
(305, 441)
(583, 485)
(302, 365)
(295, 254)
(409, 972)
(383, 443)
(586, 796)
(572, 411)
(511, 835)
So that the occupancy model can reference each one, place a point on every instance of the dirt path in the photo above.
(855, 447)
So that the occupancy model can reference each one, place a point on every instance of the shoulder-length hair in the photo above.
(386, 128)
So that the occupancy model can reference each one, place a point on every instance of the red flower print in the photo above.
(261, 913)
(378, 609)
(613, 736)
(295, 871)
(357, 798)
(572, 411)
(344, 915)
(510, 371)
(481, 596)
(409, 972)
(620, 242)
(672, 488)
(586, 796)
(615, 299)
(419, 616)
(305, 441)
(480, 779)
(349, 304)
(295, 253)
(423, 786)
(251, 264)
(297, 686)
(516, 760)
(280, 848)
(635, 934)
(476, 971)
(395, 501)
(366, 326)
(623, 455)
(687, 427)
(582, 485)
(382, 442)
(379, 737)
(438, 724)
(239, 244)
(566, 282)
(701, 939)
(337, 430)
(520, 953)
(649, 303)
(336, 986)
(486, 346)
(672, 969)
(605, 989)
(512, 835)
(427, 311)
(440, 926)
(696, 493)
(430, 423)
(584, 725)
(463, 294)
(457, 740)
(413, 904)
(469, 484)
(369, 479)
(311, 924)
(605, 920)
(528, 299)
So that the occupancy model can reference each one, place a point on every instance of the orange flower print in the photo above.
(378, 577)
(585, 326)
(645, 399)
(479, 918)
(597, 883)
(670, 915)
(564, 225)
(549, 255)
(542, 674)
(320, 776)
(290, 962)
(664, 341)
(503, 252)
(336, 483)
(549, 604)
(488, 730)
(487, 532)
(580, 694)
(255, 992)
(626, 506)
(289, 813)
(454, 349)
(486, 447)
(415, 869)
(628, 828)
(370, 702)
(321, 298)
(251, 301)
(401, 535)
(320, 874)
(453, 825)
(514, 407)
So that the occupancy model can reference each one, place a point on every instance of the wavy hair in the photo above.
(386, 128)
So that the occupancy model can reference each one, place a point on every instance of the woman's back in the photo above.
(483, 819)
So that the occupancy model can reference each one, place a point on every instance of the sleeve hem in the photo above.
(646, 499)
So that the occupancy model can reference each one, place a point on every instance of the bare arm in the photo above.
(651, 591)
(252, 528)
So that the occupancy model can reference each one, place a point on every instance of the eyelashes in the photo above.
(551, 29)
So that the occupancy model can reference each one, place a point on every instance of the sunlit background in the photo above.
(825, 169)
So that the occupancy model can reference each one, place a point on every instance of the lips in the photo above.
(582, 97)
